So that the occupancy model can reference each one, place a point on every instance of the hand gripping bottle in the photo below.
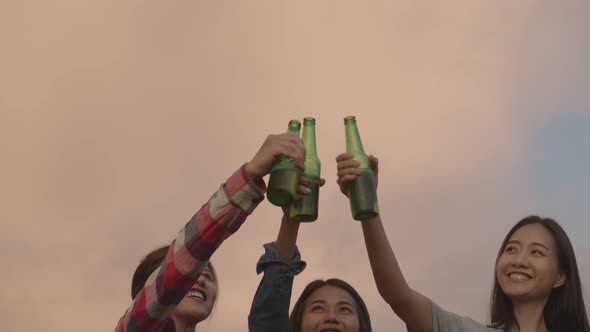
(362, 192)
(284, 175)
(306, 209)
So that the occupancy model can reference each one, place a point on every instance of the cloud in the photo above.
(123, 118)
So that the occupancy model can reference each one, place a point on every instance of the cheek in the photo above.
(352, 323)
(550, 270)
(498, 269)
(308, 321)
(213, 294)
(502, 264)
(500, 272)
(212, 290)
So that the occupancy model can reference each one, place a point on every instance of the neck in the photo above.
(530, 315)
(183, 325)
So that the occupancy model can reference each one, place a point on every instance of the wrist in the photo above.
(252, 171)
(287, 220)
(372, 220)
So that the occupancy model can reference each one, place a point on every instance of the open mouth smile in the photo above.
(197, 294)
(519, 276)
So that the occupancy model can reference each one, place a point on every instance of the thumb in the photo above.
(374, 162)
(375, 167)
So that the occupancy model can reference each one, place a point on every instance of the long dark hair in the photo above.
(564, 310)
(297, 313)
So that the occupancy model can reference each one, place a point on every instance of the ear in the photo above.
(560, 281)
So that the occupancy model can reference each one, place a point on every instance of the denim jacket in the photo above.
(270, 307)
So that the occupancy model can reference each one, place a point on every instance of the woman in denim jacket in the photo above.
(330, 304)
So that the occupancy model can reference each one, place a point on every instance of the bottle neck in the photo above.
(308, 137)
(353, 138)
(294, 127)
(294, 131)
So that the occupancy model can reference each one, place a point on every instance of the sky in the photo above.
(118, 120)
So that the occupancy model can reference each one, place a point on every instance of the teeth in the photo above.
(196, 294)
(519, 276)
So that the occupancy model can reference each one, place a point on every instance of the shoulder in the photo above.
(444, 321)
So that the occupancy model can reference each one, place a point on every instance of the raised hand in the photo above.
(275, 145)
(302, 190)
(348, 170)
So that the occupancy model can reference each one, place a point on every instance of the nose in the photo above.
(331, 317)
(201, 281)
(520, 260)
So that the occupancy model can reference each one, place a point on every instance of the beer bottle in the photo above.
(362, 192)
(284, 175)
(306, 209)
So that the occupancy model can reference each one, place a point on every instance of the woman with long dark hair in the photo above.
(563, 308)
(537, 285)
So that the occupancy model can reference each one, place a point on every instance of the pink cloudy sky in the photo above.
(120, 118)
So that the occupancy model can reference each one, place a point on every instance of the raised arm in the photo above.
(287, 237)
(281, 262)
(412, 307)
(216, 220)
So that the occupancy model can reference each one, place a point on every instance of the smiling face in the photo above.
(330, 309)
(528, 268)
(198, 302)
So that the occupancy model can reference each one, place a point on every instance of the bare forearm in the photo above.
(387, 274)
(412, 307)
(287, 238)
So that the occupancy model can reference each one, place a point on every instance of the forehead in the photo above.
(534, 233)
(331, 295)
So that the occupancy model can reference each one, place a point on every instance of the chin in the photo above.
(192, 317)
(514, 293)
(520, 295)
(192, 312)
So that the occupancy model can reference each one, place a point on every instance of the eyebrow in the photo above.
(533, 243)
(324, 302)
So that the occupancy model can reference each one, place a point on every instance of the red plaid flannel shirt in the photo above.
(189, 253)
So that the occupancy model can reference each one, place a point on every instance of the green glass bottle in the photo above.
(284, 175)
(306, 209)
(362, 192)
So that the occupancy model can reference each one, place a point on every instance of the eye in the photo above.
(510, 249)
(317, 308)
(347, 310)
(538, 252)
(207, 276)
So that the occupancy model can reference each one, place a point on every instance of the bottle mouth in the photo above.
(308, 120)
(294, 124)
(349, 118)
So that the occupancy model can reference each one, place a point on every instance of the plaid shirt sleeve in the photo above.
(189, 253)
